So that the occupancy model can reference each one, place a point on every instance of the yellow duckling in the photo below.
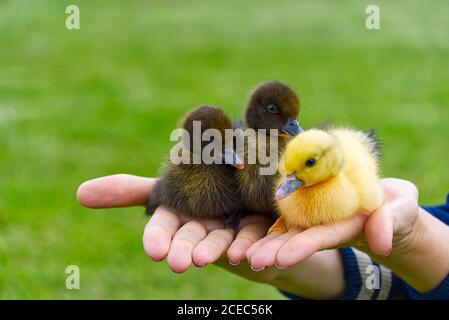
(327, 176)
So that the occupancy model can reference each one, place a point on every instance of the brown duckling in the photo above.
(201, 190)
(273, 105)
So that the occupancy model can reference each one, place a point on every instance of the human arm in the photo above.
(399, 235)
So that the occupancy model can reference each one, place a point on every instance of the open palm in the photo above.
(182, 240)
(185, 241)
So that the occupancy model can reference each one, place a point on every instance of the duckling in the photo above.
(202, 190)
(273, 105)
(327, 177)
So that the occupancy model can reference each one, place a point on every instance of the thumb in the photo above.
(379, 231)
(119, 190)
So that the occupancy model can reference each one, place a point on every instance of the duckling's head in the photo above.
(274, 105)
(209, 124)
(312, 157)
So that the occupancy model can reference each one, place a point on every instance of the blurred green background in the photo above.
(102, 100)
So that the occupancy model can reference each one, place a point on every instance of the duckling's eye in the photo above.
(271, 108)
(310, 162)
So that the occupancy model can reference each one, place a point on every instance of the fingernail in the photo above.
(388, 253)
(234, 263)
(279, 267)
(199, 267)
(257, 270)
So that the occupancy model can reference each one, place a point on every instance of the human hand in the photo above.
(185, 241)
(182, 240)
(389, 227)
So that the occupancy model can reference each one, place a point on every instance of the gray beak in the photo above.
(292, 127)
(290, 184)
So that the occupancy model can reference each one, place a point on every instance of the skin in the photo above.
(399, 235)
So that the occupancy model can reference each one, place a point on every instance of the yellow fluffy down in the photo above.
(353, 187)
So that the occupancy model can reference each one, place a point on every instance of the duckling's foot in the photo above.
(232, 221)
(278, 226)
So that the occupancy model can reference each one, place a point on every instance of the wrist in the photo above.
(320, 276)
(419, 256)
(409, 241)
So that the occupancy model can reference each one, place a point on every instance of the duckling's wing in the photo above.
(374, 142)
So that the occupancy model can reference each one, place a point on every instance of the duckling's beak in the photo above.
(290, 184)
(292, 127)
(230, 157)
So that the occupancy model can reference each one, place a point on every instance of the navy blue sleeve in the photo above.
(440, 212)
(367, 280)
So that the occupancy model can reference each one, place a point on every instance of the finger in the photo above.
(261, 242)
(399, 196)
(252, 229)
(212, 224)
(180, 255)
(265, 256)
(212, 247)
(306, 243)
(120, 190)
(158, 233)
(379, 231)
(395, 188)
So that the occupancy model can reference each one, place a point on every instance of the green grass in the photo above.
(102, 100)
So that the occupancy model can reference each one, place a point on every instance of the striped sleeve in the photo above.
(367, 280)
